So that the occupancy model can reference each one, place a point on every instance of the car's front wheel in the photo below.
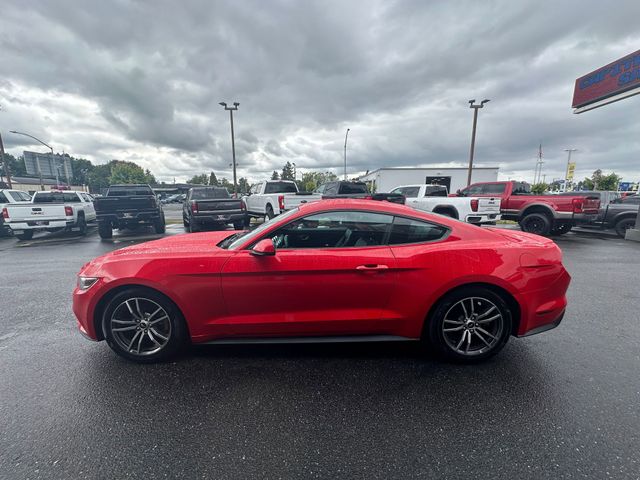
(144, 326)
(470, 325)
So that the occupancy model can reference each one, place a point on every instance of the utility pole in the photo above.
(566, 173)
(5, 164)
(475, 107)
(233, 145)
(346, 136)
(537, 175)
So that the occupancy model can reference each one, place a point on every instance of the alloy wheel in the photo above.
(473, 326)
(140, 326)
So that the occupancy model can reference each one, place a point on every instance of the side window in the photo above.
(320, 189)
(331, 189)
(493, 189)
(473, 190)
(407, 230)
(633, 200)
(16, 196)
(3, 199)
(335, 230)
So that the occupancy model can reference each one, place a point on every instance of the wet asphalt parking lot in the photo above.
(563, 404)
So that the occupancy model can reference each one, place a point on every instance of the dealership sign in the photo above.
(613, 82)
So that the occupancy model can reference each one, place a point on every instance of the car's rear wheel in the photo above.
(159, 225)
(269, 213)
(470, 325)
(144, 326)
(184, 222)
(238, 225)
(105, 231)
(25, 235)
(82, 225)
(623, 225)
(537, 223)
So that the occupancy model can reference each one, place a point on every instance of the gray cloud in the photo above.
(142, 81)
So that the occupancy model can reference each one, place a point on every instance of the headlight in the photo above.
(85, 283)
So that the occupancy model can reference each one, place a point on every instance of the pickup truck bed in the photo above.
(212, 206)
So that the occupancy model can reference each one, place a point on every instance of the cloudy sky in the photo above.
(141, 81)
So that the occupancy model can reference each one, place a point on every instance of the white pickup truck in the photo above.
(433, 198)
(50, 211)
(267, 199)
(10, 197)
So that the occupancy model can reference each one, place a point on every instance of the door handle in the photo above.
(371, 268)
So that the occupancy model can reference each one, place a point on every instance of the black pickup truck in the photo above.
(618, 213)
(338, 190)
(128, 206)
(212, 206)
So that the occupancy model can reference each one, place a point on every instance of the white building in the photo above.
(454, 178)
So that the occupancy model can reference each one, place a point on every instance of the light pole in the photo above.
(566, 174)
(475, 107)
(233, 144)
(46, 145)
(346, 136)
(7, 172)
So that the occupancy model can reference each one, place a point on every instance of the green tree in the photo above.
(586, 184)
(287, 172)
(275, 176)
(539, 188)
(243, 185)
(98, 177)
(312, 180)
(199, 179)
(128, 172)
(82, 169)
(16, 166)
(226, 184)
(605, 182)
(213, 180)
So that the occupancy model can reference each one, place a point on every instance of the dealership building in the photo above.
(454, 178)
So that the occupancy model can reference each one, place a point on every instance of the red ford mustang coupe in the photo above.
(334, 270)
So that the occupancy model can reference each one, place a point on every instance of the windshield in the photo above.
(129, 190)
(55, 197)
(353, 188)
(234, 241)
(410, 192)
(204, 193)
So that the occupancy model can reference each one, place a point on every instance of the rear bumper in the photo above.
(124, 219)
(44, 224)
(223, 217)
(576, 218)
(545, 327)
(482, 218)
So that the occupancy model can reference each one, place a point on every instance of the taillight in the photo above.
(474, 204)
(5, 214)
(281, 202)
(68, 211)
(578, 204)
(194, 207)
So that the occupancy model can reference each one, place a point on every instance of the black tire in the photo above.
(25, 235)
(269, 212)
(160, 226)
(623, 225)
(238, 225)
(538, 223)
(193, 226)
(105, 231)
(448, 314)
(561, 229)
(82, 225)
(184, 222)
(171, 332)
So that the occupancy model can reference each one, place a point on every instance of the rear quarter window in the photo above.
(408, 230)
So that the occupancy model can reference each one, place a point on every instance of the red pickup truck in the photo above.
(540, 214)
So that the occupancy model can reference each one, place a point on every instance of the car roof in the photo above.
(375, 206)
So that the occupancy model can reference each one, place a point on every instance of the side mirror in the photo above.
(264, 248)
(459, 193)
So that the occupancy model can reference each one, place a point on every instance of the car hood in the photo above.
(177, 244)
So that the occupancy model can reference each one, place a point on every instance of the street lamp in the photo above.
(46, 145)
(233, 144)
(346, 135)
(475, 107)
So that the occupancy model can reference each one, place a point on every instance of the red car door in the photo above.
(332, 274)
